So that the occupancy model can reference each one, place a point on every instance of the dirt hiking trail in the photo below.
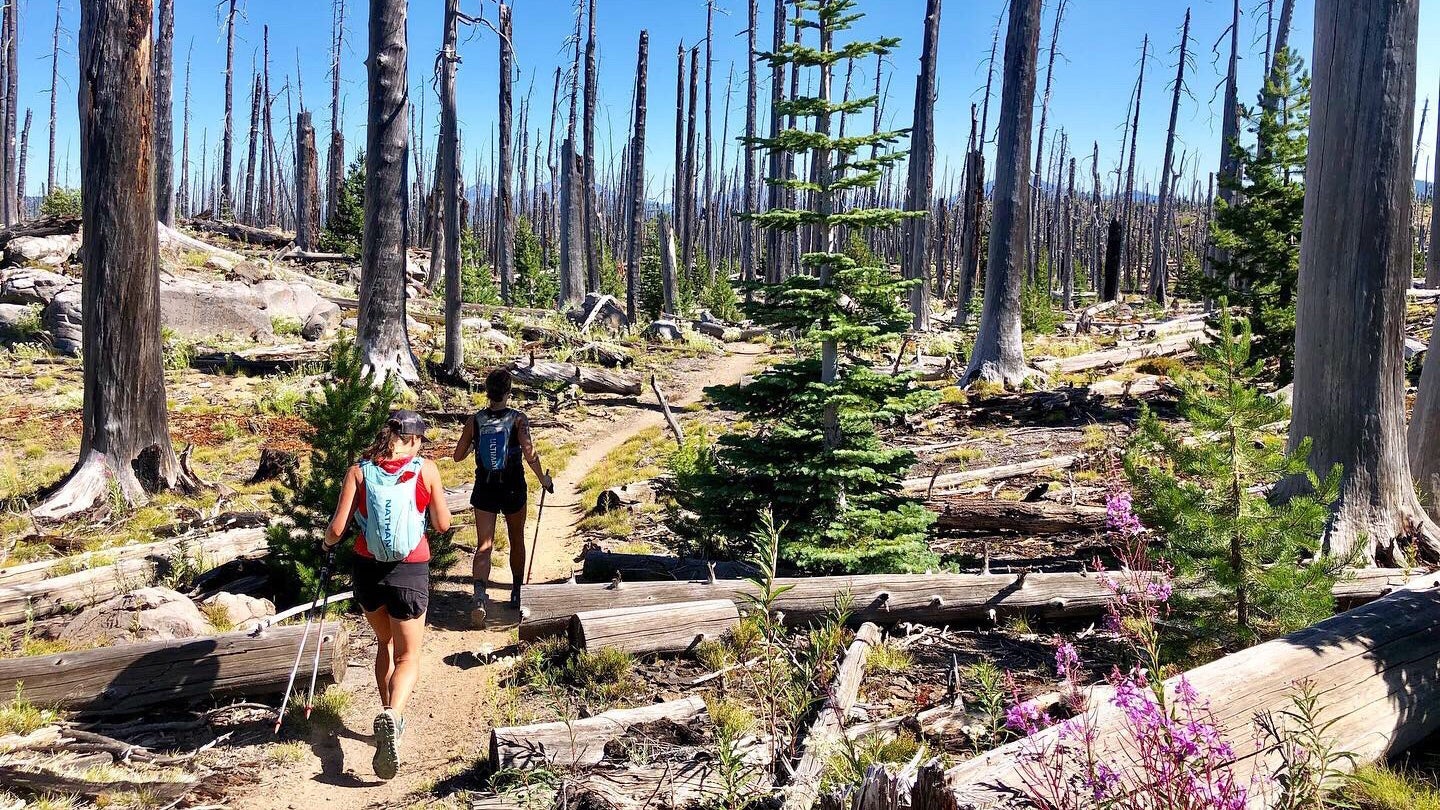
(456, 701)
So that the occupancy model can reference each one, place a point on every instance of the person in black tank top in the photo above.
(501, 491)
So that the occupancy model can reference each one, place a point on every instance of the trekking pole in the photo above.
(535, 545)
(319, 631)
(300, 652)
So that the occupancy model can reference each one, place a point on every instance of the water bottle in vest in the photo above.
(492, 441)
(393, 523)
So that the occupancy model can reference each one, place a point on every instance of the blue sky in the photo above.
(1094, 74)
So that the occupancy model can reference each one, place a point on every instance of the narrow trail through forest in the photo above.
(456, 701)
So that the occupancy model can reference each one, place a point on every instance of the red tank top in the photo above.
(422, 502)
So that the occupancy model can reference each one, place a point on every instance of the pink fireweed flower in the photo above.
(1120, 515)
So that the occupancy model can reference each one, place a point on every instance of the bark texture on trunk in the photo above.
(572, 221)
(652, 629)
(1355, 265)
(164, 116)
(124, 443)
(1424, 436)
(999, 355)
(1159, 270)
(335, 162)
(448, 179)
(54, 101)
(384, 336)
(227, 197)
(1432, 257)
(922, 173)
(505, 240)
(637, 181)
(307, 184)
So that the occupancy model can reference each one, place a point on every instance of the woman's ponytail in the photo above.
(384, 441)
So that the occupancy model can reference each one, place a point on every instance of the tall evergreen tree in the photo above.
(1256, 230)
(812, 456)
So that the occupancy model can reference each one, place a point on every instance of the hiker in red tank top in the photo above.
(422, 502)
(394, 595)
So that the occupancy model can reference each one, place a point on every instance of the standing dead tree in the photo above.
(587, 180)
(505, 242)
(164, 115)
(54, 85)
(1127, 250)
(1036, 195)
(307, 184)
(749, 232)
(776, 264)
(335, 162)
(1229, 137)
(1355, 265)
(383, 334)
(183, 194)
(999, 354)
(12, 109)
(124, 443)
(1159, 271)
(922, 173)
(227, 196)
(637, 181)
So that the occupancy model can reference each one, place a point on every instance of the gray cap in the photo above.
(408, 423)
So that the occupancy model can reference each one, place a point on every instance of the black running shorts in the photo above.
(403, 589)
(504, 497)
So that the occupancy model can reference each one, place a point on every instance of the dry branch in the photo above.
(827, 730)
(578, 742)
(670, 628)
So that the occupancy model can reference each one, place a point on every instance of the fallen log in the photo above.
(42, 226)
(298, 255)
(29, 598)
(604, 566)
(1374, 667)
(132, 678)
(578, 742)
(880, 598)
(963, 514)
(40, 781)
(826, 731)
(547, 373)
(1087, 315)
(670, 420)
(241, 233)
(666, 786)
(171, 239)
(1108, 358)
(265, 359)
(933, 483)
(654, 629)
(605, 354)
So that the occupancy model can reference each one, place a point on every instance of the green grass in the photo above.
(284, 326)
(20, 716)
(954, 395)
(640, 457)
(888, 659)
(618, 524)
(218, 616)
(1376, 787)
(1094, 438)
(730, 716)
(962, 455)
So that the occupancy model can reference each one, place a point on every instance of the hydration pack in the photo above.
(492, 441)
(393, 524)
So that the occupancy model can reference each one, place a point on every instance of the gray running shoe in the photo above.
(388, 726)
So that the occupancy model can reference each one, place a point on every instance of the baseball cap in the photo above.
(408, 423)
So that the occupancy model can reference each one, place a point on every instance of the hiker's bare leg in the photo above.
(484, 543)
(384, 652)
(407, 637)
(515, 526)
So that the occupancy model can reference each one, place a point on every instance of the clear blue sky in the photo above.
(1094, 74)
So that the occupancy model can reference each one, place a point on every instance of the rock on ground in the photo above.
(14, 318)
(46, 251)
(322, 321)
(31, 285)
(148, 614)
(664, 330)
(244, 612)
(61, 320)
(195, 309)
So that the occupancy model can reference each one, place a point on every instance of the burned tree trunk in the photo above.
(999, 354)
(335, 162)
(572, 240)
(1424, 436)
(587, 179)
(383, 334)
(637, 182)
(1432, 257)
(227, 197)
(776, 264)
(164, 117)
(669, 264)
(307, 185)
(922, 173)
(1114, 246)
(448, 177)
(750, 231)
(247, 212)
(1127, 249)
(1229, 137)
(505, 240)
(1355, 266)
(12, 108)
(54, 85)
(124, 443)
(1158, 268)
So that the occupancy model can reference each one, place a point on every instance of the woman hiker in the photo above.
(392, 562)
(500, 436)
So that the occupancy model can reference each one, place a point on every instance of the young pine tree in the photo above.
(1260, 231)
(535, 284)
(1258, 564)
(811, 454)
(347, 227)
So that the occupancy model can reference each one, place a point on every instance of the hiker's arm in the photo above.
(467, 440)
(346, 505)
(527, 447)
(439, 509)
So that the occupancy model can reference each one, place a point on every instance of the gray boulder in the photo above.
(149, 614)
(61, 320)
(713, 329)
(665, 331)
(220, 264)
(31, 285)
(44, 251)
(16, 319)
(241, 611)
(604, 311)
(286, 299)
(196, 309)
(322, 321)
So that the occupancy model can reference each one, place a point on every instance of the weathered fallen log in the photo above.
(879, 598)
(26, 597)
(298, 255)
(543, 373)
(1087, 315)
(605, 354)
(1375, 668)
(241, 233)
(650, 629)
(964, 514)
(578, 742)
(826, 731)
(604, 566)
(42, 781)
(131, 678)
(661, 786)
(265, 359)
(42, 226)
(935, 483)
(675, 429)
(1108, 358)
